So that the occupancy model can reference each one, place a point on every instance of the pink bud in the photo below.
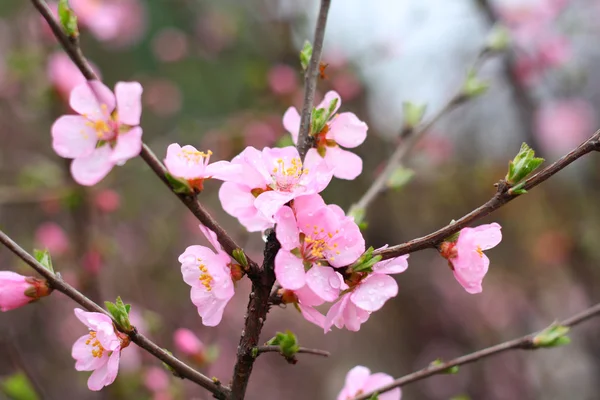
(108, 200)
(187, 342)
(18, 290)
(51, 236)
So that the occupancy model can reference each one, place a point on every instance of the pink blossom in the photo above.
(107, 200)
(52, 236)
(209, 275)
(192, 165)
(105, 134)
(92, 261)
(359, 380)
(347, 85)
(156, 379)
(305, 301)
(466, 254)
(343, 129)
(312, 234)
(282, 79)
(563, 124)
(267, 180)
(99, 350)
(63, 74)
(18, 290)
(366, 294)
(187, 342)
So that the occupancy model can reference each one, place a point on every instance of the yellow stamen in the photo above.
(97, 349)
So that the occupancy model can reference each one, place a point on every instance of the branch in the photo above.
(410, 136)
(56, 282)
(503, 195)
(71, 46)
(524, 343)
(269, 349)
(310, 81)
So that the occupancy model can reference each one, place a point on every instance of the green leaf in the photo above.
(18, 387)
(68, 19)
(178, 185)
(240, 257)
(413, 113)
(366, 261)
(120, 313)
(400, 177)
(43, 257)
(374, 397)
(499, 38)
(552, 336)
(451, 370)
(519, 168)
(357, 213)
(305, 55)
(318, 120)
(287, 342)
(474, 86)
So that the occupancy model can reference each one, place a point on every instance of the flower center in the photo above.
(479, 251)
(195, 157)
(205, 277)
(317, 243)
(97, 349)
(286, 177)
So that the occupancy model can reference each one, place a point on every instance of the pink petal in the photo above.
(486, 236)
(190, 264)
(310, 202)
(470, 269)
(237, 201)
(211, 237)
(392, 266)
(129, 145)
(347, 130)
(289, 270)
(287, 229)
(356, 379)
(329, 97)
(72, 136)
(223, 170)
(345, 164)
(93, 100)
(320, 172)
(312, 315)
(92, 319)
(379, 380)
(209, 308)
(268, 203)
(82, 353)
(354, 317)
(374, 291)
(307, 297)
(291, 123)
(92, 169)
(324, 282)
(255, 173)
(335, 315)
(106, 374)
(129, 102)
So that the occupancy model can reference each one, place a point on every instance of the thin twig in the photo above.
(525, 343)
(310, 81)
(503, 195)
(71, 46)
(410, 136)
(58, 284)
(317, 352)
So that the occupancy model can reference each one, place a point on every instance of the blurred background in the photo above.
(219, 75)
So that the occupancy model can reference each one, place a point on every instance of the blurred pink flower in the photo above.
(564, 124)
(466, 257)
(554, 51)
(343, 129)
(259, 134)
(18, 290)
(163, 97)
(99, 350)
(63, 74)
(92, 261)
(282, 79)
(51, 236)
(170, 45)
(209, 275)
(99, 138)
(187, 342)
(359, 380)
(269, 179)
(347, 85)
(107, 200)
(156, 379)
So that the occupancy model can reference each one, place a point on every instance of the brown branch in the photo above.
(56, 282)
(310, 81)
(503, 195)
(317, 352)
(71, 46)
(525, 343)
(410, 136)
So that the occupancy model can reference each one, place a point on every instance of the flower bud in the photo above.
(18, 290)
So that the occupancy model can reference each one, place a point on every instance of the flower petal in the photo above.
(328, 98)
(92, 169)
(73, 136)
(379, 380)
(374, 291)
(345, 164)
(129, 145)
(324, 282)
(237, 201)
(268, 203)
(106, 374)
(488, 235)
(286, 229)
(356, 379)
(222, 170)
(209, 308)
(129, 102)
(93, 100)
(289, 270)
(392, 266)
(92, 319)
(312, 315)
(347, 130)
(291, 122)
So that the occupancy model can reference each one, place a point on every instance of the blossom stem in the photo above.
(71, 47)
(142, 341)
(503, 195)
(310, 81)
(410, 136)
(524, 343)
